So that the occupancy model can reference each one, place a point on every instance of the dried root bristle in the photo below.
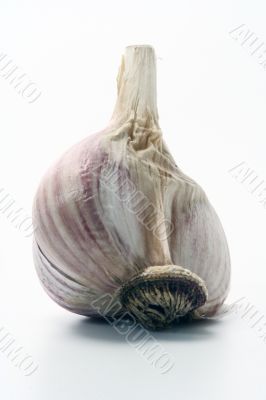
(160, 295)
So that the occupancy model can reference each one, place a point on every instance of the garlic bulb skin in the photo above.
(116, 216)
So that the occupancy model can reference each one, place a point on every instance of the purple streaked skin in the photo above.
(77, 234)
(90, 241)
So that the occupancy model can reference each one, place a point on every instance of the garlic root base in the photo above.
(161, 294)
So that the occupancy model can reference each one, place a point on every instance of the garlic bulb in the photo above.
(117, 217)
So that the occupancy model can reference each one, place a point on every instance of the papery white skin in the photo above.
(91, 237)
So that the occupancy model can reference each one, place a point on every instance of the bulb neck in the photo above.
(162, 294)
(136, 85)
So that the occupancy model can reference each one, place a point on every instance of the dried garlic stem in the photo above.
(136, 83)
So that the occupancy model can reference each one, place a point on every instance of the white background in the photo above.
(211, 99)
